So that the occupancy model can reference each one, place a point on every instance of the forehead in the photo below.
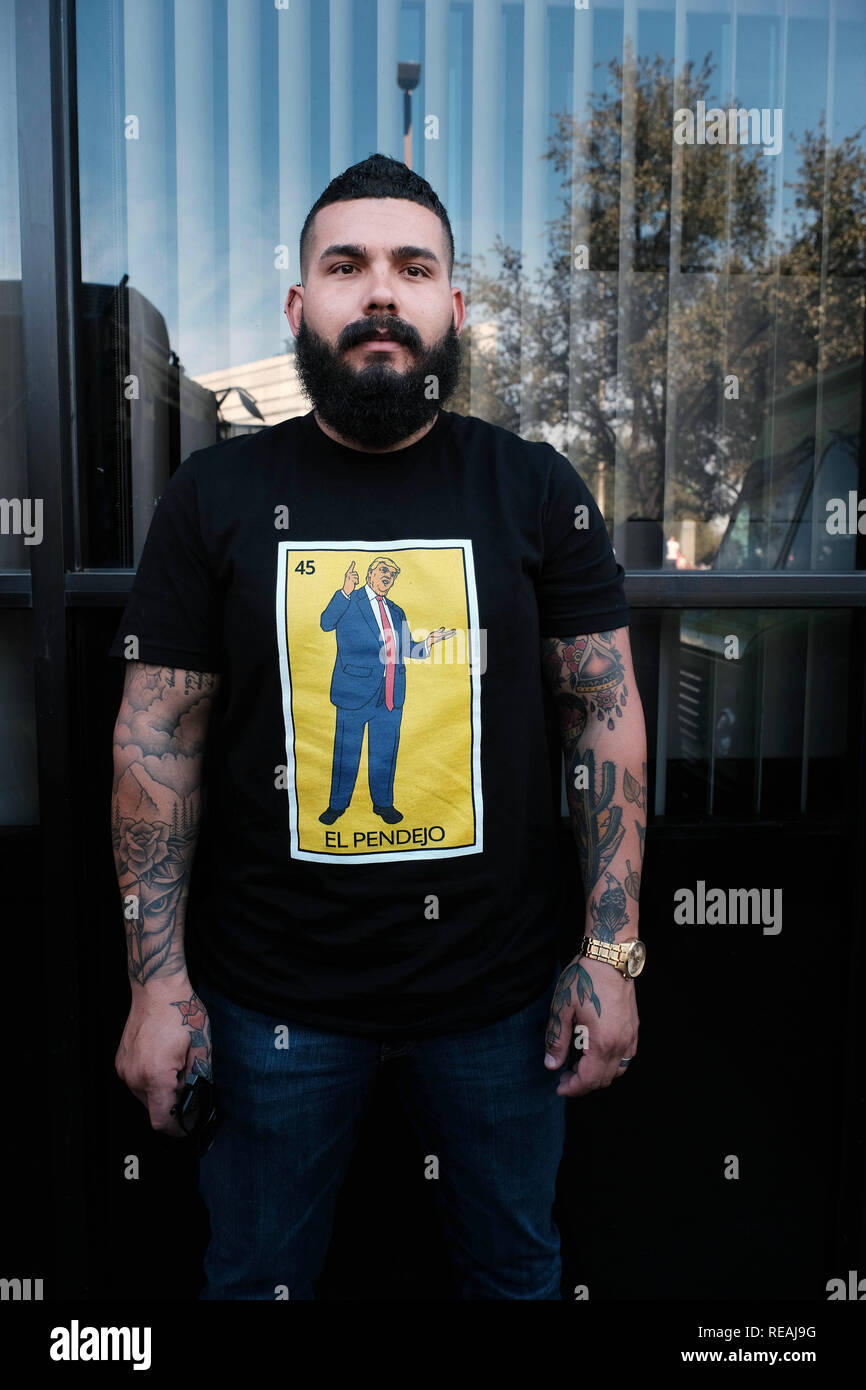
(378, 224)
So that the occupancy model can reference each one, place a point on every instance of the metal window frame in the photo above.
(651, 589)
(47, 173)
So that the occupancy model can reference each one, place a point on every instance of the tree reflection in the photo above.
(665, 355)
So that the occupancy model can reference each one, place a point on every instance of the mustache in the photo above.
(363, 330)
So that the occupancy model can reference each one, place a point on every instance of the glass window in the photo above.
(658, 216)
(755, 721)
(19, 797)
(747, 714)
(20, 515)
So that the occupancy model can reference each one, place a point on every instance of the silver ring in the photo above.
(625, 1061)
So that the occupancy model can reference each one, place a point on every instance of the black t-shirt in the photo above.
(309, 574)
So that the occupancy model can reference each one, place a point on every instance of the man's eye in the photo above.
(347, 265)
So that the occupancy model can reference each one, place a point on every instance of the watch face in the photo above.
(636, 958)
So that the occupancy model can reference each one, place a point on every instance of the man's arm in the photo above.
(602, 728)
(159, 743)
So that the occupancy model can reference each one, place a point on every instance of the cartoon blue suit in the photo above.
(358, 691)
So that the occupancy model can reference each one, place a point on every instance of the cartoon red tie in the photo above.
(390, 652)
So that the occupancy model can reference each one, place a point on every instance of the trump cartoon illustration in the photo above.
(368, 684)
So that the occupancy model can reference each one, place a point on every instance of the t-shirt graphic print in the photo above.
(381, 658)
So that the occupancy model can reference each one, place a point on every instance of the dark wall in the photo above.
(745, 1049)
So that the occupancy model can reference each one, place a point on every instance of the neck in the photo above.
(362, 449)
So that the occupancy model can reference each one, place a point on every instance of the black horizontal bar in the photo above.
(98, 588)
(16, 590)
(704, 589)
(644, 589)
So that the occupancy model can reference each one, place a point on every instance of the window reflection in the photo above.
(782, 518)
(14, 508)
(19, 795)
(747, 714)
(755, 723)
(684, 320)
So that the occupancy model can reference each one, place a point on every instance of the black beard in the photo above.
(377, 405)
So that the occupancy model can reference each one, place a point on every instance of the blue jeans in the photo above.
(482, 1102)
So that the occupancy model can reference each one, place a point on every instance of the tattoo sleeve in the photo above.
(604, 741)
(159, 741)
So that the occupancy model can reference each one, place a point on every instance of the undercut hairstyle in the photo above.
(378, 176)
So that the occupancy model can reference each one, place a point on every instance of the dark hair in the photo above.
(378, 176)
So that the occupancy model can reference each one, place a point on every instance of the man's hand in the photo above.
(440, 634)
(591, 995)
(167, 1036)
(351, 581)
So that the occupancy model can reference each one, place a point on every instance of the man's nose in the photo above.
(382, 294)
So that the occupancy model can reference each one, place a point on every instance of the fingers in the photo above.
(158, 1099)
(155, 1057)
(161, 1119)
(557, 1039)
(592, 1068)
(589, 1074)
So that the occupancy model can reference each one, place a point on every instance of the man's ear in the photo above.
(458, 306)
(293, 306)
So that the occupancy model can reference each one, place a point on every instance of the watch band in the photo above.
(611, 953)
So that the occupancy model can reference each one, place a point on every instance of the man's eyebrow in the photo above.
(398, 253)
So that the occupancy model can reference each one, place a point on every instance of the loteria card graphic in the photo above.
(380, 665)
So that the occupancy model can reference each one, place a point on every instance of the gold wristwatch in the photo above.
(628, 957)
